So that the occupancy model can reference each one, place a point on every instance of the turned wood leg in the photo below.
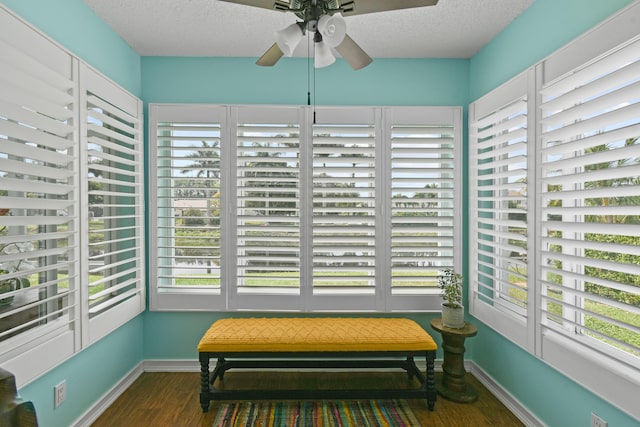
(204, 382)
(218, 371)
(431, 380)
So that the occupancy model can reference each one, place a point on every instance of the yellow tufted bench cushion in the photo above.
(316, 334)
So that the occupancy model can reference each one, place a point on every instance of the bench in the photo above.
(319, 343)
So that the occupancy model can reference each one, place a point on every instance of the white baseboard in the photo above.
(109, 397)
(507, 399)
(177, 365)
(187, 365)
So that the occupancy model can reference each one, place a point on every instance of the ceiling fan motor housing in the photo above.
(311, 10)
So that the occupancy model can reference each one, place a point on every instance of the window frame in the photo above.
(55, 66)
(226, 299)
(612, 377)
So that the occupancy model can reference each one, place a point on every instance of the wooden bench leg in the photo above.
(218, 371)
(204, 382)
(431, 380)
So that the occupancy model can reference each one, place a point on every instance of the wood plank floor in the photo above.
(171, 399)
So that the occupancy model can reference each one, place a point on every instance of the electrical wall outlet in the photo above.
(596, 421)
(59, 393)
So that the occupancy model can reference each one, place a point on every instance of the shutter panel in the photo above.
(500, 159)
(344, 205)
(188, 202)
(38, 200)
(501, 225)
(114, 201)
(590, 213)
(422, 204)
(268, 201)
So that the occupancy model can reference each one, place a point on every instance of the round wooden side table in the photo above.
(451, 384)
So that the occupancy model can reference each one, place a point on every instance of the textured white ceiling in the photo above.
(451, 29)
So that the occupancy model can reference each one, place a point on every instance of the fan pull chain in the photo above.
(311, 43)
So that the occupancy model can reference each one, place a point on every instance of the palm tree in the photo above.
(206, 161)
(206, 164)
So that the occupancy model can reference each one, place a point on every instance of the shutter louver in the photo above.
(590, 213)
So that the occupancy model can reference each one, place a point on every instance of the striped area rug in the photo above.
(324, 413)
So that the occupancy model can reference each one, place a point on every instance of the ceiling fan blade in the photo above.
(271, 56)
(265, 4)
(361, 6)
(372, 6)
(353, 54)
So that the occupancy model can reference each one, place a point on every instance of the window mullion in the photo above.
(229, 221)
(306, 207)
(383, 216)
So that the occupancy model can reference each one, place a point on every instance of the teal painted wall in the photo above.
(543, 28)
(546, 26)
(73, 24)
(240, 81)
(89, 375)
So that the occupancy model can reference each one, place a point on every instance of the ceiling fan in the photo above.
(324, 18)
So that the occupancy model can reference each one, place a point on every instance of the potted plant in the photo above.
(452, 309)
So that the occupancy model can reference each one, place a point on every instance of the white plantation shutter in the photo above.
(303, 215)
(499, 169)
(71, 203)
(422, 170)
(267, 208)
(570, 128)
(38, 201)
(185, 165)
(590, 205)
(344, 203)
(114, 203)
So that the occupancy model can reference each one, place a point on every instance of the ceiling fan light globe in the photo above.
(288, 38)
(323, 56)
(333, 29)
